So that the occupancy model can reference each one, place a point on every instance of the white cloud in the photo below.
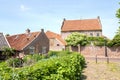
(24, 8)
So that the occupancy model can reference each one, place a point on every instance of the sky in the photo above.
(18, 15)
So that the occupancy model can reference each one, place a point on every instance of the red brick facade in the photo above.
(30, 42)
(99, 51)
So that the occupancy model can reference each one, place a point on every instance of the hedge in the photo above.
(66, 67)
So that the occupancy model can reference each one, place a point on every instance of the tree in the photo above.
(116, 39)
(118, 14)
(97, 41)
(8, 52)
(118, 31)
(76, 38)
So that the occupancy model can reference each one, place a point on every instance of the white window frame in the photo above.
(32, 49)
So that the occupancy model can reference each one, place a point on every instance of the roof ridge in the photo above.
(20, 34)
(82, 19)
(31, 41)
(57, 36)
(53, 32)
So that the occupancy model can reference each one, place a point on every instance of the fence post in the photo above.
(96, 58)
(107, 60)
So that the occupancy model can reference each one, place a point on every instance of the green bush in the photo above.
(15, 62)
(58, 53)
(62, 67)
(5, 71)
(35, 57)
(56, 68)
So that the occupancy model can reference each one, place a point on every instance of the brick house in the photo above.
(90, 27)
(56, 41)
(30, 42)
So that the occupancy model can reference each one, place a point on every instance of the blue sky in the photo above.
(18, 15)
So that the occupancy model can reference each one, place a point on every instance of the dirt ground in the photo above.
(101, 70)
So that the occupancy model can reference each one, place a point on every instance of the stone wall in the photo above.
(97, 50)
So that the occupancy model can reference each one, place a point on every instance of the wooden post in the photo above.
(107, 60)
(96, 58)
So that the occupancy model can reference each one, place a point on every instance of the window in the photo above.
(31, 49)
(58, 44)
(91, 34)
(98, 34)
(44, 49)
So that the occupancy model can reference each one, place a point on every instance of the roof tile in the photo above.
(19, 41)
(55, 35)
(81, 25)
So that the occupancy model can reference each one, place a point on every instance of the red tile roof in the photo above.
(81, 25)
(20, 41)
(55, 35)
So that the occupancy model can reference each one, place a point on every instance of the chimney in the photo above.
(64, 19)
(28, 31)
(42, 30)
(98, 17)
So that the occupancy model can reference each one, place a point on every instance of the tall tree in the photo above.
(76, 38)
(118, 31)
(116, 39)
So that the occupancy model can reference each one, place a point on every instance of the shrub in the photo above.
(31, 59)
(55, 68)
(62, 67)
(58, 53)
(15, 62)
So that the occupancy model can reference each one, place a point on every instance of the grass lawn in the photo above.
(101, 71)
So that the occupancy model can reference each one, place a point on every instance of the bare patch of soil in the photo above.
(101, 71)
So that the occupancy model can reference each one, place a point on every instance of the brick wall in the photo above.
(65, 34)
(40, 42)
(97, 50)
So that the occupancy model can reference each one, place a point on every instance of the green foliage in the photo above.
(31, 59)
(8, 52)
(116, 40)
(56, 68)
(118, 13)
(15, 62)
(67, 66)
(118, 31)
(5, 71)
(26, 61)
(58, 53)
(76, 38)
(97, 41)
(110, 43)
